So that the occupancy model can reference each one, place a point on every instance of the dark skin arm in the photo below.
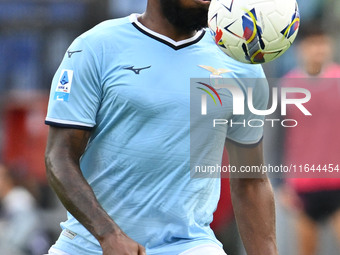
(253, 202)
(63, 151)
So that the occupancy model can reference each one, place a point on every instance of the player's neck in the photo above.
(314, 69)
(154, 20)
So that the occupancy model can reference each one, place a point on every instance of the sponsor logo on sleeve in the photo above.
(63, 89)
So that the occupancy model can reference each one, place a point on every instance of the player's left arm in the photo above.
(253, 201)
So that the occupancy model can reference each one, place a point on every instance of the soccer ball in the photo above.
(254, 31)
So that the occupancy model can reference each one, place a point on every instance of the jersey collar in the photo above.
(164, 39)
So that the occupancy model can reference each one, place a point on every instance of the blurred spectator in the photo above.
(314, 141)
(315, 52)
(19, 233)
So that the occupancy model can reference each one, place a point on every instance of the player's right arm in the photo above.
(64, 149)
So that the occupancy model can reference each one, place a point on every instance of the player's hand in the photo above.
(121, 244)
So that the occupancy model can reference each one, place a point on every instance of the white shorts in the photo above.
(204, 249)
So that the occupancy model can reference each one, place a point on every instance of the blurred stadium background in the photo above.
(34, 35)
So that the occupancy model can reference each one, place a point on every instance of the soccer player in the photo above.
(316, 200)
(118, 152)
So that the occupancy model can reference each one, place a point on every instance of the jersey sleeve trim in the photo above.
(245, 144)
(68, 124)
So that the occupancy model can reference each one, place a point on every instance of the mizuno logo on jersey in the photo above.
(136, 70)
(70, 53)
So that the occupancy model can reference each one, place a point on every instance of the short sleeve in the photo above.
(247, 129)
(76, 89)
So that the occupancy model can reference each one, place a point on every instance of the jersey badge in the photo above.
(215, 74)
(63, 89)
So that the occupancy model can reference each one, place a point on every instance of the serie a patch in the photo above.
(63, 90)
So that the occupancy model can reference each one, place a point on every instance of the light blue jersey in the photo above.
(131, 87)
